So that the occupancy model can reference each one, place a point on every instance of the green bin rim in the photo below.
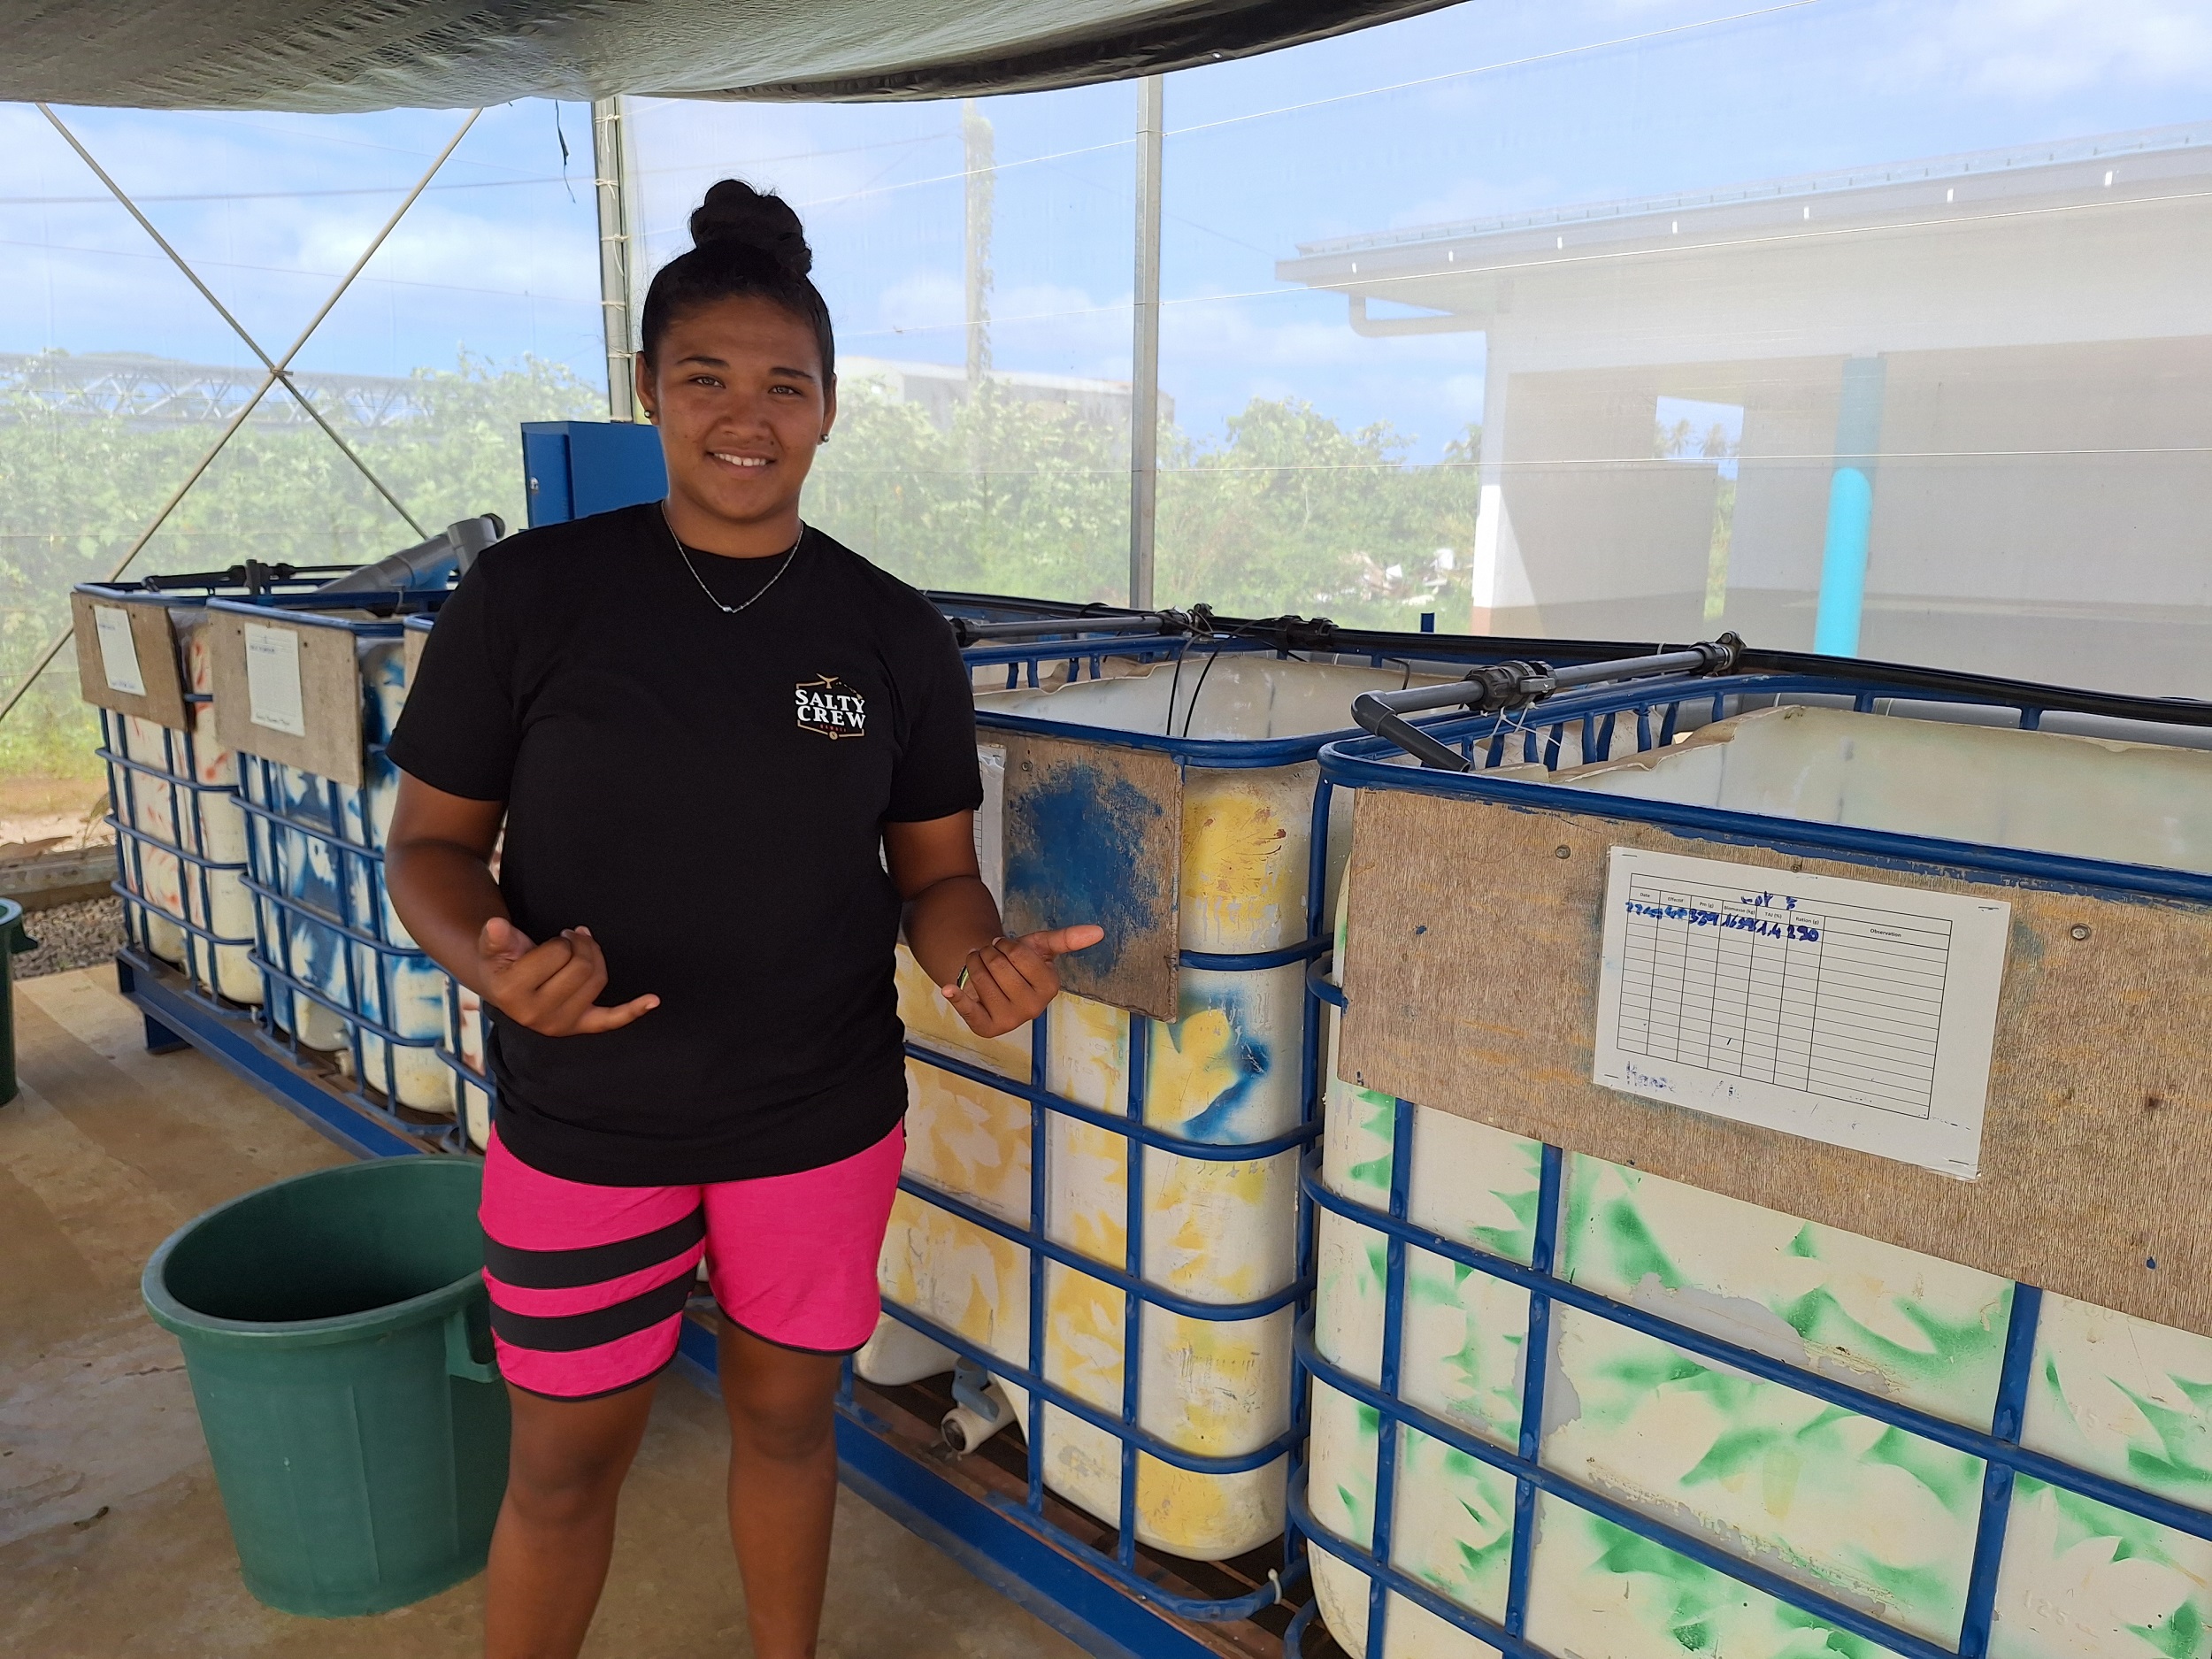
(174, 1317)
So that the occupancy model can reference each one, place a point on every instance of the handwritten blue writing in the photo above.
(1698, 915)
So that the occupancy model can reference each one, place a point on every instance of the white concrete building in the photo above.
(1980, 385)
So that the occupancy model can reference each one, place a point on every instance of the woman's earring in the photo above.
(822, 439)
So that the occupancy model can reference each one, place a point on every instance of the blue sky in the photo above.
(1482, 108)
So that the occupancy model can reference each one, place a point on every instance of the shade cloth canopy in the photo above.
(337, 56)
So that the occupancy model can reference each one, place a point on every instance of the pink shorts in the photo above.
(588, 1283)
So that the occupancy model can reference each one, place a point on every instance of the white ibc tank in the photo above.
(335, 930)
(182, 834)
(464, 1043)
(1226, 1072)
(1868, 1513)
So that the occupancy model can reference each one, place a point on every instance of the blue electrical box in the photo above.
(575, 468)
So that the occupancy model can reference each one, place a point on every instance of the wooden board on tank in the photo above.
(412, 641)
(1471, 971)
(1095, 833)
(325, 705)
(153, 644)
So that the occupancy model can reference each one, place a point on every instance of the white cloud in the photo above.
(2030, 48)
(95, 281)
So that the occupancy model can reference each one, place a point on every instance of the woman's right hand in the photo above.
(552, 989)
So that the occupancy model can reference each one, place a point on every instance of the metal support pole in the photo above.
(53, 647)
(610, 170)
(979, 165)
(1144, 399)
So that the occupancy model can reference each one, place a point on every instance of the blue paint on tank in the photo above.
(1247, 1060)
(1075, 853)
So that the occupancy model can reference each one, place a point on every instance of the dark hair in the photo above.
(743, 242)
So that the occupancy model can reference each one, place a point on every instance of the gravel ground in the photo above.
(71, 936)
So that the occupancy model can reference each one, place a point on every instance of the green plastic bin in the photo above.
(13, 942)
(331, 1326)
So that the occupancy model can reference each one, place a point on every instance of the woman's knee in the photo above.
(565, 1463)
(783, 1427)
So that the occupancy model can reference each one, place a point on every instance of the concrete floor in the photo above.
(112, 1534)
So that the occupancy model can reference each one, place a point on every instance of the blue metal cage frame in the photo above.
(1085, 659)
(1023, 665)
(180, 774)
(370, 960)
(1654, 713)
(1103, 1600)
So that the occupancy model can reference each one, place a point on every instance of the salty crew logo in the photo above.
(830, 708)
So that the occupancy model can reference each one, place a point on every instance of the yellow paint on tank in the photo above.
(1083, 1336)
(1215, 1380)
(1193, 1205)
(1089, 1053)
(1202, 1060)
(968, 1138)
(1086, 1205)
(1244, 858)
(963, 1278)
(930, 1019)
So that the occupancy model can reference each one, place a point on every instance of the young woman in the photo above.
(732, 759)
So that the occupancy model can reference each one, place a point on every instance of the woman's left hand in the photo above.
(1007, 983)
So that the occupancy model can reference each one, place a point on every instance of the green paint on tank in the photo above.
(1453, 1524)
(1517, 1242)
(1481, 1380)
(1953, 1478)
(1946, 1361)
(1635, 1252)
(1357, 1511)
(2126, 1398)
(1974, 1346)
(1375, 1173)
(1772, 1469)
(1700, 1606)
(2137, 1590)
(2180, 1439)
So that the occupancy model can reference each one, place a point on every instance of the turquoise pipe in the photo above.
(1850, 509)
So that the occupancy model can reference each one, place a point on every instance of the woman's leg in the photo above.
(564, 1470)
(783, 1484)
(793, 1259)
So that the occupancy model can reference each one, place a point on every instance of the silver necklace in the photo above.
(790, 556)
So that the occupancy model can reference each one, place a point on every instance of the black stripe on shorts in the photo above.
(594, 1263)
(566, 1333)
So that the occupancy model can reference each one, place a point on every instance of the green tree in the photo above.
(1292, 512)
(1011, 496)
(1285, 510)
(76, 491)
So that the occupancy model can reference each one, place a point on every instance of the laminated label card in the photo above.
(119, 652)
(1857, 1013)
(272, 680)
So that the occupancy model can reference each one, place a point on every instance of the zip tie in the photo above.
(1275, 1577)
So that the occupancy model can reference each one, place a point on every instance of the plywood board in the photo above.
(412, 641)
(1472, 970)
(325, 707)
(153, 645)
(1094, 833)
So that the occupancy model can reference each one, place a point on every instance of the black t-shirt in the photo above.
(706, 792)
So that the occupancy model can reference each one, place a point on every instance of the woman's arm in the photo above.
(952, 927)
(437, 866)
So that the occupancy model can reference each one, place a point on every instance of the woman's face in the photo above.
(738, 392)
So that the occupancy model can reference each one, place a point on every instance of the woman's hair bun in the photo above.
(734, 212)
